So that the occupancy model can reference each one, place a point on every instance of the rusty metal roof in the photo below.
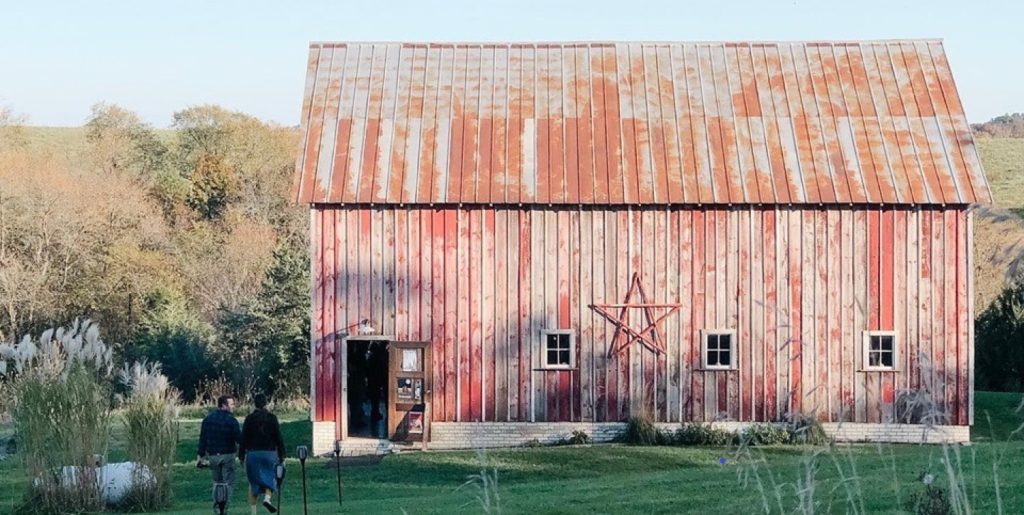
(635, 123)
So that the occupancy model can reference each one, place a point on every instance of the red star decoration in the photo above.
(649, 335)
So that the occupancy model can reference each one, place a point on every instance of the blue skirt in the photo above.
(260, 469)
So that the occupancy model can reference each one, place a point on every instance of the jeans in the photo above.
(223, 468)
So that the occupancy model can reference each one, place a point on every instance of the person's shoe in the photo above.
(269, 506)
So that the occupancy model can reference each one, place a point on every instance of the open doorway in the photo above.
(367, 388)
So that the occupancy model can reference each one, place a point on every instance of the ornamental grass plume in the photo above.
(150, 418)
(59, 401)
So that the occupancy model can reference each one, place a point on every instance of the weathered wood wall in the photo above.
(798, 285)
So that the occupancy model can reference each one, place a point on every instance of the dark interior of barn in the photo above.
(367, 388)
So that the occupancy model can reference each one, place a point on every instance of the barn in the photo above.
(513, 241)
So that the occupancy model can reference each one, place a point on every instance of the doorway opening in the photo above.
(367, 388)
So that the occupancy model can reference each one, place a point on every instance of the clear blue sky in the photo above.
(59, 58)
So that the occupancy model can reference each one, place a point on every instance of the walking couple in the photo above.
(258, 444)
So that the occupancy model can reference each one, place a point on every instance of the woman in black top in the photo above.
(262, 448)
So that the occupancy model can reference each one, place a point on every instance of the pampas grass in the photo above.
(150, 418)
(60, 405)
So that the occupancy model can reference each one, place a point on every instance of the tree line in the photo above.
(179, 242)
(1004, 126)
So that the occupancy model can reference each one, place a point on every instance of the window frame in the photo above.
(733, 349)
(545, 365)
(866, 343)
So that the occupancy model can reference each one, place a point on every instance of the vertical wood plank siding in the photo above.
(799, 286)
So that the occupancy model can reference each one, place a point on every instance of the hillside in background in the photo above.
(999, 229)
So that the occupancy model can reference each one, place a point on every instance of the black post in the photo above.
(279, 477)
(303, 453)
(337, 466)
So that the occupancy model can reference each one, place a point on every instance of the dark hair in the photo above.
(222, 401)
(260, 401)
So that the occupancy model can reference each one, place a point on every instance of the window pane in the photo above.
(725, 341)
(563, 342)
(551, 341)
(887, 358)
(874, 358)
(563, 357)
(886, 343)
(876, 342)
(552, 357)
(712, 342)
(712, 358)
(724, 358)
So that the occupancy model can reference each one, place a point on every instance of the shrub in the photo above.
(1000, 329)
(152, 431)
(640, 430)
(578, 438)
(918, 407)
(805, 429)
(933, 500)
(765, 434)
(696, 433)
(61, 412)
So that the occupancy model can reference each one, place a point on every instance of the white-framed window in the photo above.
(718, 349)
(559, 348)
(880, 350)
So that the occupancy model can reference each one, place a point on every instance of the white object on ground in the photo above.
(114, 480)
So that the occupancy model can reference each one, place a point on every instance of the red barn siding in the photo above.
(798, 285)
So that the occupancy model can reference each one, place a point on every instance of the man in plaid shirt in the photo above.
(218, 441)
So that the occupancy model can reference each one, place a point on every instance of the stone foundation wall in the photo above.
(323, 439)
(900, 433)
(473, 435)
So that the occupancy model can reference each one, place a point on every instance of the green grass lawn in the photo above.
(623, 479)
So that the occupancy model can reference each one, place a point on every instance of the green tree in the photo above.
(171, 334)
(213, 187)
(271, 334)
(120, 142)
(261, 155)
(1000, 341)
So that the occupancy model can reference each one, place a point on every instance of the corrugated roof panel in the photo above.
(328, 137)
(307, 99)
(802, 112)
(635, 123)
(601, 114)
(895, 178)
(315, 127)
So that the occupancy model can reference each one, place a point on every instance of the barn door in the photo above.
(409, 391)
